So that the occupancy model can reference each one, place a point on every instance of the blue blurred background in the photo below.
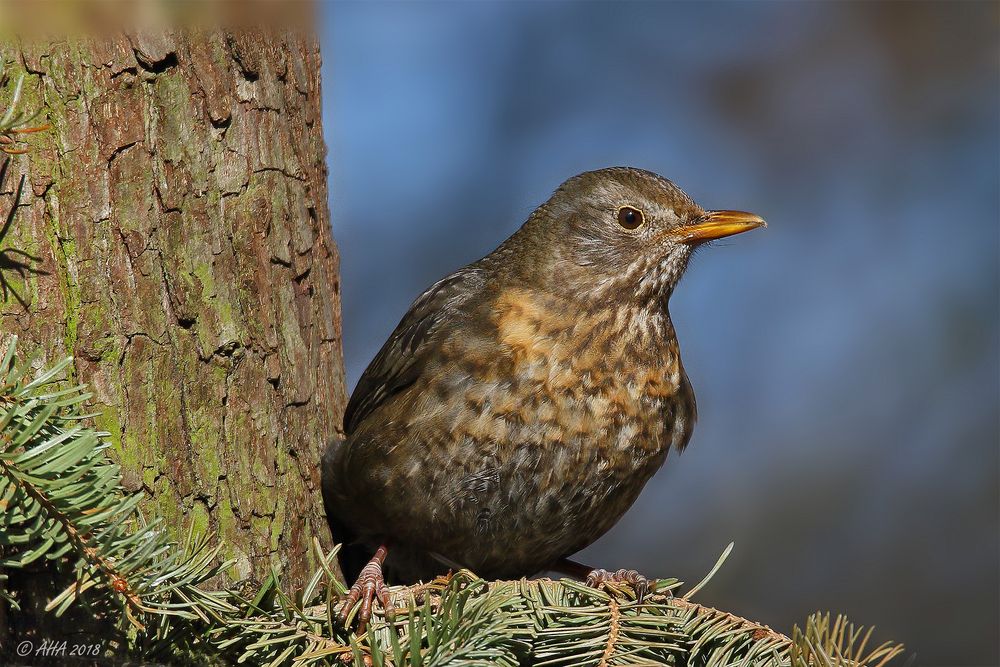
(845, 359)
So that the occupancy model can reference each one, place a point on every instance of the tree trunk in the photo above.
(178, 231)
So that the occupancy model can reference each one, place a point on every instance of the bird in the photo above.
(522, 403)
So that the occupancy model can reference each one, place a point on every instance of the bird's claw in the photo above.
(639, 583)
(369, 587)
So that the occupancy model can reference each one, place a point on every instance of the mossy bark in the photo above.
(176, 216)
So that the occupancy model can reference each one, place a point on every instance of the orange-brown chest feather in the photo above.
(613, 368)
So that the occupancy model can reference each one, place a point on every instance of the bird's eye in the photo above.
(630, 218)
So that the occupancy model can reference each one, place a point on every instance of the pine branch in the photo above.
(461, 621)
(840, 644)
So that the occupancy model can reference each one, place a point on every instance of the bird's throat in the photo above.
(539, 328)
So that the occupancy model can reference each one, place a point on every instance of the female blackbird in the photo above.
(523, 402)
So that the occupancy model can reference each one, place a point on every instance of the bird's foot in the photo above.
(369, 587)
(640, 584)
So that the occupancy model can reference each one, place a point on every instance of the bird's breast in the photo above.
(607, 375)
(544, 423)
(557, 417)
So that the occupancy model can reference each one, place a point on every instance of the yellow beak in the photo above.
(719, 224)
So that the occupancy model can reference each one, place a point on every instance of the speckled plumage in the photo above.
(524, 401)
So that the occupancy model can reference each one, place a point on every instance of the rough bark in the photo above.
(177, 216)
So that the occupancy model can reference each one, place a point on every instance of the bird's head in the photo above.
(620, 233)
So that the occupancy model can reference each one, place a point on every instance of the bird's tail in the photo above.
(353, 556)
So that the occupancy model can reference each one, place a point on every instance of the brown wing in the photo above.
(404, 356)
